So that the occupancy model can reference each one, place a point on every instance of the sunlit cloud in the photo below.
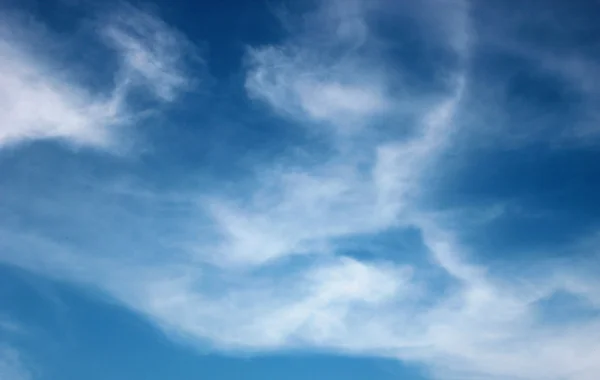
(41, 101)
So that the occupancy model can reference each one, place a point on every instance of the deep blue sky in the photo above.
(299, 190)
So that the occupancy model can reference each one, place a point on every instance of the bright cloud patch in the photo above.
(40, 101)
(296, 87)
(37, 105)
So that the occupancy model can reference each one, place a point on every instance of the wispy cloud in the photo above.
(40, 100)
(299, 209)
(152, 53)
(11, 366)
(318, 77)
(9, 325)
(556, 58)
(36, 104)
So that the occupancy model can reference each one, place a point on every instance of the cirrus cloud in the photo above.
(40, 100)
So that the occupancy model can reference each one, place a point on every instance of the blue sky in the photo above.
(299, 190)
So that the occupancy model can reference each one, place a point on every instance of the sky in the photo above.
(299, 189)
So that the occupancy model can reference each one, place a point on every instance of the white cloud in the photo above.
(341, 97)
(151, 52)
(299, 209)
(481, 326)
(40, 101)
(333, 100)
(314, 308)
(305, 80)
(37, 104)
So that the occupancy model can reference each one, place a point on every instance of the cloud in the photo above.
(325, 94)
(37, 105)
(298, 211)
(304, 79)
(546, 92)
(152, 53)
(11, 366)
(40, 100)
(9, 325)
(269, 270)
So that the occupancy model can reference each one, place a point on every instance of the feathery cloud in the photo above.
(39, 101)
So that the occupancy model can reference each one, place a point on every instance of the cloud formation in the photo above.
(317, 77)
(41, 100)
